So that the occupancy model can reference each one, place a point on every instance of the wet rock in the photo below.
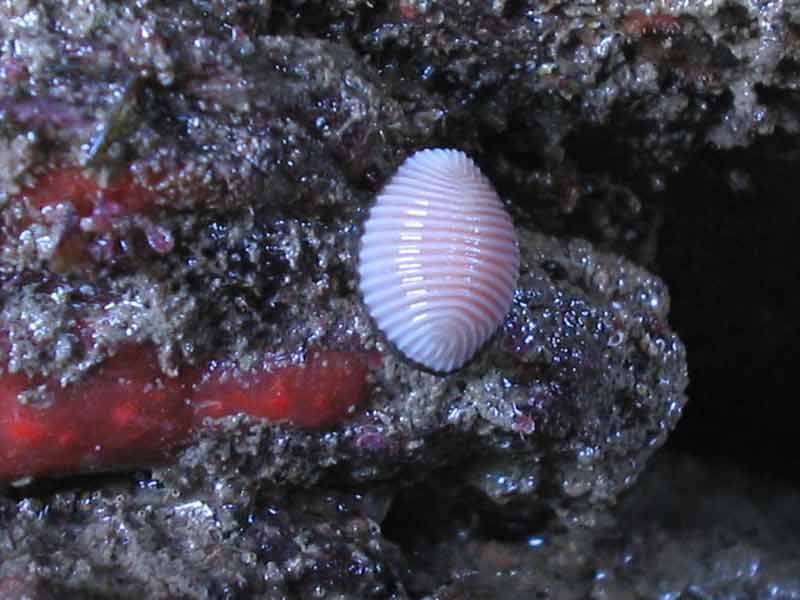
(147, 540)
(687, 529)
(580, 112)
(191, 178)
(560, 411)
(260, 156)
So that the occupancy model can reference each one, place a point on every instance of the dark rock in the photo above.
(688, 529)
(561, 409)
(261, 153)
(145, 540)
(192, 177)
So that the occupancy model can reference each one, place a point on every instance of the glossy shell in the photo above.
(439, 259)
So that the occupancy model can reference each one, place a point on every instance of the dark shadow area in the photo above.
(729, 254)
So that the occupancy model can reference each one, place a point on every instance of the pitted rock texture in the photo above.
(562, 409)
(192, 176)
(580, 111)
(251, 159)
(690, 529)
(146, 541)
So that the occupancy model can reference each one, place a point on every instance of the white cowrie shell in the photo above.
(439, 259)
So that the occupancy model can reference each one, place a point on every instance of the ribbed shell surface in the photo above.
(439, 260)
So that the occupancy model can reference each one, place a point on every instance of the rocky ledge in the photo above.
(192, 391)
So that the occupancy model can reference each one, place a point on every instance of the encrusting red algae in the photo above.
(88, 214)
(127, 413)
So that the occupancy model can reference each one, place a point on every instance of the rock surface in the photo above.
(687, 529)
(188, 180)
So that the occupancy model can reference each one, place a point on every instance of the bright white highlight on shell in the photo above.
(439, 259)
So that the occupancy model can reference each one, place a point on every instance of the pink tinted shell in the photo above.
(439, 259)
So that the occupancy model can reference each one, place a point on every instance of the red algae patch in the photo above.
(316, 394)
(638, 23)
(69, 198)
(127, 413)
(73, 184)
